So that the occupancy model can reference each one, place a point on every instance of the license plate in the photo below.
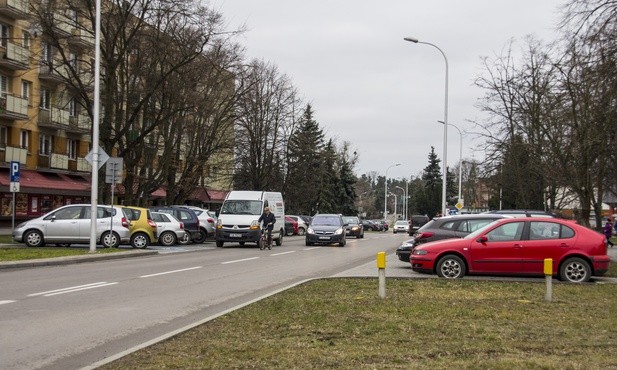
(235, 235)
(324, 238)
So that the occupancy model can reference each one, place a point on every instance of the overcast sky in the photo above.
(370, 87)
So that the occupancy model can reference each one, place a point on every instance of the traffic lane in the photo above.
(114, 305)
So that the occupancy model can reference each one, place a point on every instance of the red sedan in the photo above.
(516, 246)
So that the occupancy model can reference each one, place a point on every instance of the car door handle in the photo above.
(564, 245)
(518, 246)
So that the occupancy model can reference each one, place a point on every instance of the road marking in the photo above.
(6, 302)
(171, 272)
(279, 254)
(50, 293)
(311, 248)
(242, 260)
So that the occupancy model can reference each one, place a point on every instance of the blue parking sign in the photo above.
(14, 171)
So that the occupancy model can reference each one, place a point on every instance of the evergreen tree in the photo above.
(347, 181)
(304, 165)
(432, 185)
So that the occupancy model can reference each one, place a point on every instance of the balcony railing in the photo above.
(16, 9)
(83, 165)
(81, 38)
(53, 161)
(54, 118)
(12, 153)
(13, 107)
(15, 57)
(80, 124)
(49, 74)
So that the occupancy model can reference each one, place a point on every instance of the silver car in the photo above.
(71, 225)
(168, 228)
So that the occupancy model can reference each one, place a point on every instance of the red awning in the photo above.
(49, 182)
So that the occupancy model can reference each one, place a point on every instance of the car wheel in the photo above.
(200, 237)
(241, 243)
(34, 239)
(219, 244)
(451, 267)
(109, 239)
(185, 239)
(575, 270)
(301, 231)
(279, 241)
(168, 238)
(139, 240)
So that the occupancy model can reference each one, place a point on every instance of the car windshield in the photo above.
(350, 220)
(241, 207)
(403, 223)
(326, 221)
(481, 230)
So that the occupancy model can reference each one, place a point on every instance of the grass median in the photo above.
(423, 323)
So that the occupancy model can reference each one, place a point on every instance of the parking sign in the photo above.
(14, 171)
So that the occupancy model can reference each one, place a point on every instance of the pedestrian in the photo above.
(608, 232)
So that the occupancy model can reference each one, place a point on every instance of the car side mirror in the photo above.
(483, 239)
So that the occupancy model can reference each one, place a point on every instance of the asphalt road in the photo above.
(73, 316)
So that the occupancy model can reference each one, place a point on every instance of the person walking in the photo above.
(608, 232)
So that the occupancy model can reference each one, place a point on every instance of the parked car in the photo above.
(400, 226)
(371, 225)
(522, 213)
(142, 227)
(353, 227)
(168, 228)
(291, 226)
(518, 246)
(326, 229)
(383, 223)
(446, 227)
(302, 225)
(416, 222)
(207, 223)
(71, 225)
(190, 220)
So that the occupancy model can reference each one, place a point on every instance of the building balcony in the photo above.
(14, 57)
(49, 74)
(12, 153)
(80, 124)
(63, 24)
(53, 161)
(15, 9)
(54, 118)
(83, 165)
(13, 107)
(81, 38)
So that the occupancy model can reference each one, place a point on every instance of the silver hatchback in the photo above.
(71, 225)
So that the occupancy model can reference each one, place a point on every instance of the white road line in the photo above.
(279, 254)
(242, 260)
(311, 248)
(6, 302)
(171, 272)
(69, 288)
(76, 290)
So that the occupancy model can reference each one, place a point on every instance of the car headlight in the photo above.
(339, 231)
(355, 228)
(420, 252)
(310, 230)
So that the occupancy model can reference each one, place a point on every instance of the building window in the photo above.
(72, 108)
(71, 148)
(4, 85)
(26, 87)
(24, 139)
(45, 144)
(73, 61)
(46, 53)
(3, 136)
(4, 34)
(25, 40)
(45, 101)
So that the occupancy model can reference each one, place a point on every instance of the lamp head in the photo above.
(411, 39)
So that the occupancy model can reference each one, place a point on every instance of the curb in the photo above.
(74, 259)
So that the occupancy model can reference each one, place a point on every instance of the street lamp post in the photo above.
(385, 193)
(460, 158)
(404, 202)
(445, 127)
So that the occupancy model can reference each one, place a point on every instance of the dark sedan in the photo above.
(353, 227)
(326, 229)
(447, 227)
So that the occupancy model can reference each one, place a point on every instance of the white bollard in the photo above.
(381, 266)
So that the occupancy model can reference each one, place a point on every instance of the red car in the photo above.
(516, 246)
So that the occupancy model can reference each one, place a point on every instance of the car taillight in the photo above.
(210, 220)
(125, 223)
(181, 225)
(424, 235)
(152, 224)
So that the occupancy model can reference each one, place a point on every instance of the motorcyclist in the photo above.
(268, 220)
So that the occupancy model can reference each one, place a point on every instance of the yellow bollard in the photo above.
(548, 273)
(381, 266)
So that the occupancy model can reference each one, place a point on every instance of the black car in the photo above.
(326, 229)
(190, 220)
(416, 222)
(447, 227)
(353, 226)
(371, 226)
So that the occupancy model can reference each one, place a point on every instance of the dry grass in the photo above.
(25, 253)
(432, 323)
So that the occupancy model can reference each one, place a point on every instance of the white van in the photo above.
(237, 219)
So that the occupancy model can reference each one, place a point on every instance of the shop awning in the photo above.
(47, 183)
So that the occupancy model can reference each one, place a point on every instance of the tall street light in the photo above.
(404, 202)
(385, 193)
(445, 127)
(460, 158)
